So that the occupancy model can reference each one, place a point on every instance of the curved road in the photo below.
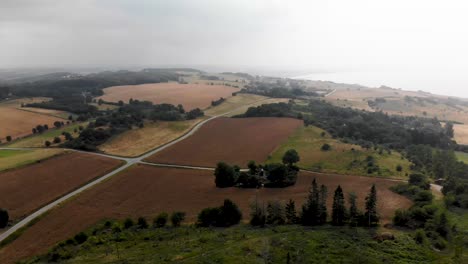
(129, 163)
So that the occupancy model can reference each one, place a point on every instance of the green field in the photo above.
(10, 159)
(343, 158)
(241, 244)
(462, 156)
(38, 140)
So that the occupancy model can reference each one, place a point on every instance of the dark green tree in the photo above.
(275, 213)
(371, 214)
(290, 157)
(4, 217)
(323, 214)
(8, 138)
(310, 210)
(177, 218)
(225, 175)
(290, 211)
(257, 215)
(339, 209)
(160, 220)
(230, 213)
(353, 210)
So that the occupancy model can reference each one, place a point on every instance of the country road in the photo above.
(128, 163)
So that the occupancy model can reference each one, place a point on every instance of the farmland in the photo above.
(146, 190)
(10, 159)
(135, 142)
(341, 158)
(17, 122)
(38, 140)
(461, 134)
(233, 140)
(189, 95)
(26, 189)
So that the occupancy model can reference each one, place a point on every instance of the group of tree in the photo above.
(429, 220)
(315, 212)
(257, 175)
(225, 215)
(218, 102)
(361, 127)
(40, 129)
(285, 88)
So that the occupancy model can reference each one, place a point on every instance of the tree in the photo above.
(310, 210)
(4, 217)
(323, 205)
(449, 129)
(209, 217)
(257, 215)
(128, 223)
(290, 157)
(225, 175)
(8, 138)
(177, 218)
(325, 147)
(275, 213)
(161, 220)
(291, 215)
(371, 207)
(339, 209)
(230, 213)
(47, 143)
(57, 140)
(141, 222)
(354, 213)
(252, 167)
(34, 130)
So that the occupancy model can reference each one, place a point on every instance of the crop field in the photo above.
(26, 189)
(38, 140)
(461, 134)
(189, 95)
(342, 158)
(233, 103)
(232, 140)
(18, 123)
(147, 190)
(10, 159)
(135, 142)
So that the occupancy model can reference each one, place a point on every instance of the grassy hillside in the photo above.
(38, 140)
(10, 159)
(342, 158)
(241, 244)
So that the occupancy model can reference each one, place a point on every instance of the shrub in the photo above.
(209, 217)
(80, 238)
(420, 236)
(419, 180)
(160, 220)
(401, 217)
(325, 147)
(177, 218)
(57, 140)
(128, 223)
(4, 217)
(142, 222)
(226, 215)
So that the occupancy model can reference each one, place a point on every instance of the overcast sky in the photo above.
(310, 35)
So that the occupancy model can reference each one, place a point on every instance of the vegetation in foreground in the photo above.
(111, 242)
(11, 159)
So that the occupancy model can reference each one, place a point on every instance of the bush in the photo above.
(142, 223)
(420, 236)
(177, 218)
(423, 197)
(209, 217)
(325, 147)
(128, 223)
(226, 215)
(401, 217)
(80, 238)
(419, 180)
(160, 220)
(4, 217)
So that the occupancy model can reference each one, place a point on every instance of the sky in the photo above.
(410, 44)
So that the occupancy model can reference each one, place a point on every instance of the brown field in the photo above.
(461, 134)
(232, 140)
(16, 122)
(146, 191)
(24, 190)
(189, 95)
(135, 142)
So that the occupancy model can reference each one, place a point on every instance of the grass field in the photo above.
(38, 140)
(10, 159)
(232, 140)
(309, 140)
(17, 122)
(147, 190)
(243, 244)
(462, 156)
(140, 140)
(234, 102)
(189, 95)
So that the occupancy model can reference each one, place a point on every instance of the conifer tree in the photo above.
(322, 214)
(353, 210)
(309, 215)
(371, 207)
(290, 210)
(339, 209)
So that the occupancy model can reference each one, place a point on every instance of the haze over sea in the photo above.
(437, 82)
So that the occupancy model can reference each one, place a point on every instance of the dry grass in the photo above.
(461, 134)
(234, 102)
(10, 159)
(189, 95)
(138, 141)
